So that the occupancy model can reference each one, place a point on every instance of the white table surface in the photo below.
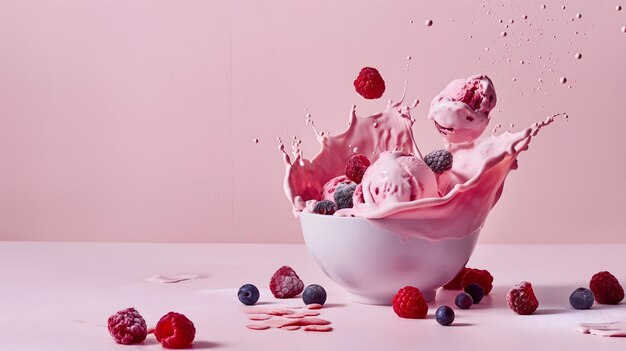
(58, 296)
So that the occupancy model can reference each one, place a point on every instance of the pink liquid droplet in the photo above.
(579, 56)
(411, 21)
(521, 62)
(579, 16)
(429, 23)
(503, 34)
(618, 8)
(256, 141)
(543, 6)
(624, 29)
(525, 17)
(563, 80)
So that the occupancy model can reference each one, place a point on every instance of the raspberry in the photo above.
(439, 161)
(606, 288)
(369, 83)
(478, 276)
(356, 167)
(455, 283)
(521, 298)
(285, 283)
(127, 327)
(409, 303)
(175, 331)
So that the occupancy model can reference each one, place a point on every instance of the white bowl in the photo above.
(372, 263)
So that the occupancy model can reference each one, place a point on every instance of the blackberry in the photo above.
(325, 207)
(343, 195)
(439, 161)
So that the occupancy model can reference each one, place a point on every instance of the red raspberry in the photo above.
(455, 284)
(369, 83)
(409, 303)
(175, 331)
(478, 276)
(285, 283)
(127, 327)
(521, 298)
(356, 167)
(606, 288)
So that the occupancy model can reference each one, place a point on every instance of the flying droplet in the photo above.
(579, 15)
(563, 7)
(408, 58)
(525, 17)
(512, 125)
(511, 21)
(486, 49)
(355, 150)
(411, 21)
(375, 124)
(515, 79)
(579, 56)
(256, 141)
(503, 34)
(563, 80)
(521, 62)
(429, 23)
(499, 21)
(471, 36)
(618, 8)
(624, 29)
(543, 6)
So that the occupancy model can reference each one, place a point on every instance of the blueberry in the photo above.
(325, 207)
(248, 294)
(314, 294)
(343, 195)
(463, 301)
(444, 315)
(476, 292)
(581, 299)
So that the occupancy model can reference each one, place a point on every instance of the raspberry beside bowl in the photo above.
(371, 263)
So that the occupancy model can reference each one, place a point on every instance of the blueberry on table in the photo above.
(248, 294)
(476, 292)
(314, 294)
(463, 301)
(444, 315)
(581, 299)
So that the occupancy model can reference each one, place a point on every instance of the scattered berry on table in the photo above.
(369, 83)
(521, 299)
(463, 301)
(248, 294)
(439, 161)
(606, 288)
(444, 315)
(127, 327)
(285, 283)
(475, 291)
(175, 331)
(356, 167)
(581, 299)
(325, 207)
(480, 277)
(410, 303)
(314, 294)
(455, 283)
(343, 195)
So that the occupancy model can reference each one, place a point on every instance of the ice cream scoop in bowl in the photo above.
(411, 220)
(371, 262)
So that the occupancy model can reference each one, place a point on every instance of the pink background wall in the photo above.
(135, 120)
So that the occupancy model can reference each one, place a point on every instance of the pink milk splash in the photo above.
(473, 185)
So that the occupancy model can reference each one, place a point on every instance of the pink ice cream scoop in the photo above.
(396, 177)
(461, 110)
